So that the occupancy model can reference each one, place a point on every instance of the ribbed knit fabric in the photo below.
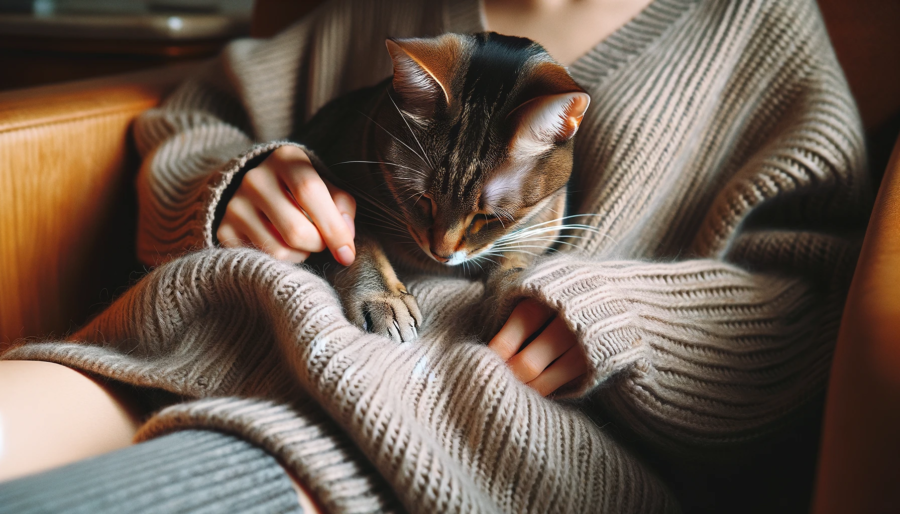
(722, 155)
(186, 472)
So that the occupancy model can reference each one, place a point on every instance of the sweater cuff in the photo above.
(596, 309)
(186, 471)
(224, 184)
(178, 216)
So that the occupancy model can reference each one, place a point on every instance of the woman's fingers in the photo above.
(311, 193)
(247, 221)
(285, 208)
(228, 236)
(528, 316)
(345, 204)
(554, 341)
(267, 194)
(567, 368)
(551, 360)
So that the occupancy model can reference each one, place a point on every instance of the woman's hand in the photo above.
(286, 209)
(551, 360)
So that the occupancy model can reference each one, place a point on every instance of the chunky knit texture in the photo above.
(723, 156)
(188, 471)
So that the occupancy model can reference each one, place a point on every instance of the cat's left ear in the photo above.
(423, 69)
(547, 120)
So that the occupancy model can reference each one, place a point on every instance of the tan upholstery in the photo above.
(65, 180)
(860, 446)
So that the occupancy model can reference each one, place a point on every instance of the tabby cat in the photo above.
(459, 164)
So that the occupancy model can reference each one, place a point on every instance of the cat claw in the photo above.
(396, 316)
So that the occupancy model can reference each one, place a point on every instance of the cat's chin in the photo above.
(457, 258)
(417, 261)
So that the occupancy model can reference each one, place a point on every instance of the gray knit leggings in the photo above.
(191, 471)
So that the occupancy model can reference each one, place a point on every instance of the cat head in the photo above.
(481, 138)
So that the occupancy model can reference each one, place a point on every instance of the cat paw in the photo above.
(391, 314)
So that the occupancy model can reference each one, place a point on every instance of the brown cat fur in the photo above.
(467, 145)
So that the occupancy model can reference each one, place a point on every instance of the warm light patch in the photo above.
(425, 66)
(545, 121)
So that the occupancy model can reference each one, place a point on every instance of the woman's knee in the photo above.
(52, 415)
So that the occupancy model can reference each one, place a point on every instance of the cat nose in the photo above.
(441, 258)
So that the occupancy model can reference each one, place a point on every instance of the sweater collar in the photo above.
(629, 41)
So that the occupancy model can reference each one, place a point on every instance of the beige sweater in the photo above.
(723, 155)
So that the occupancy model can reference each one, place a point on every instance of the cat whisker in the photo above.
(525, 232)
(570, 236)
(392, 228)
(554, 238)
(380, 162)
(376, 203)
(388, 132)
(381, 212)
(520, 251)
(418, 174)
(564, 218)
(551, 240)
(359, 193)
(538, 236)
(414, 189)
(504, 213)
(418, 193)
(538, 247)
(484, 255)
(386, 223)
(413, 134)
(499, 218)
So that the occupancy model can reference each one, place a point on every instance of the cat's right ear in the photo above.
(547, 120)
(423, 71)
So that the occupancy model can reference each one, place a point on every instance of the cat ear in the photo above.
(547, 120)
(423, 69)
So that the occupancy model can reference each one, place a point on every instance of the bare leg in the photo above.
(52, 415)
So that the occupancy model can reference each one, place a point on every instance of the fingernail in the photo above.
(345, 255)
(350, 224)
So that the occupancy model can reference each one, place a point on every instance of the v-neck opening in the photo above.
(626, 42)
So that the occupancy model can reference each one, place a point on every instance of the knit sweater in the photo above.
(722, 155)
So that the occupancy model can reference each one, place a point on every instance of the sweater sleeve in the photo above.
(723, 346)
(196, 144)
(699, 352)
(246, 103)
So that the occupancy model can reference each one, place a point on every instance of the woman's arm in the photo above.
(195, 146)
(200, 143)
(242, 107)
(696, 353)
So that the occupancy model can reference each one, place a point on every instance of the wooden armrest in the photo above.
(861, 432)
(66, 199)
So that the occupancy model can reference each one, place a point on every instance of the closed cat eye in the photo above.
(482, 220)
